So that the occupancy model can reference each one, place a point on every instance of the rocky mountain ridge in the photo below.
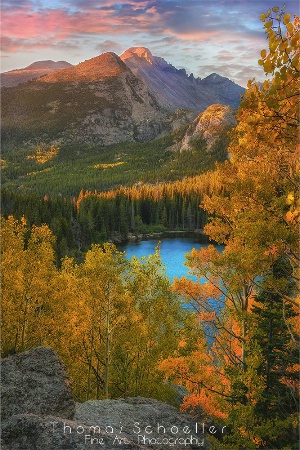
(106, 100)
(175, 88)
(99, 101)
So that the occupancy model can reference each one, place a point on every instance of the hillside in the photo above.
(68, 169)
(210, 129)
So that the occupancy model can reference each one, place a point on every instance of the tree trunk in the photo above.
(107, 350)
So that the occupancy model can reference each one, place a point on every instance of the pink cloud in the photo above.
(9, 45)
(60, 24)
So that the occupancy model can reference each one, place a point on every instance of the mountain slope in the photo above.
(174, 88)
(94, 69)
(225, 89)
(35, 70)
(209, 130)
(98, 101)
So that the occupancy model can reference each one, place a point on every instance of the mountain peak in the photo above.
(95, 69)
(48, 64)
(141, 52)
(214, 78)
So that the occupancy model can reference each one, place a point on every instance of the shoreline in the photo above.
(131, 237)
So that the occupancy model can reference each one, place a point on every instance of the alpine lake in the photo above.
(172, 251)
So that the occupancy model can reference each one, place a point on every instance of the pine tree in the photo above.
(275, 337)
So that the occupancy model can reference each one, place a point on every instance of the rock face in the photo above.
(35, 70)
(147, 422)
(209, 126)
(31, 432)
(35, 382)
(174, 88)
(37, 407)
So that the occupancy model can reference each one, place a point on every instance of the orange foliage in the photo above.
(207, 316)
(206, 401)
(201, 184)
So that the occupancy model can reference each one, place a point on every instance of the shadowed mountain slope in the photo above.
(174, 88)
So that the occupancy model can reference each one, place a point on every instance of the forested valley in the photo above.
(120, 325)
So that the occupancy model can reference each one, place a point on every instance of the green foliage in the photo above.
(275, 336)
(76, 166)
(94, 219)
(268, 413)
(41, 181)
(46, 111)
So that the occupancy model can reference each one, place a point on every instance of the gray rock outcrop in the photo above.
(208, 126)
(145, 421)
(35, 382)
(38, 413)
(32, 432)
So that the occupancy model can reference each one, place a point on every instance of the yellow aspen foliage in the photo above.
(28, 270)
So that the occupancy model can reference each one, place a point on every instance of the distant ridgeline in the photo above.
(105, 100)
(97, 217)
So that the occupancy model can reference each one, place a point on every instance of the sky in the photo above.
(222, 36)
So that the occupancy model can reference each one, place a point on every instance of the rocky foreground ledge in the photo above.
(38, 412)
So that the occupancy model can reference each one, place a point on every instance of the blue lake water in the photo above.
(172, 251)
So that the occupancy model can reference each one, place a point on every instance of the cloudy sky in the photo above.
(223, 36)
